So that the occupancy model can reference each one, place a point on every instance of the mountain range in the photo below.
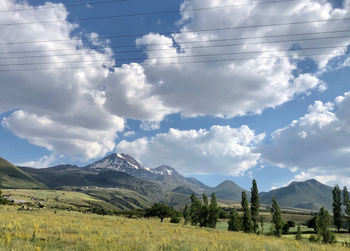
(163, 183)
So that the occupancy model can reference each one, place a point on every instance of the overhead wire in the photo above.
(147, 13)
(172, 63)
(181, 32)
(195, 41)
(170, 57)
(181, 48)
(66, 5)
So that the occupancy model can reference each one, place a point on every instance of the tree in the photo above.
(337, 210)
(311, 223)
(285, 228)
(204, 212)
(254, 206)
(276, 218)
(346, 202)
(322, 222)
(213, 212)
(298, 235)
(159, 210)
(234, 221)
(247, 223)
(186, 214)
(195, 210)
(262, 224)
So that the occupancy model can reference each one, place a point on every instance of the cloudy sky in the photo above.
(217, 89)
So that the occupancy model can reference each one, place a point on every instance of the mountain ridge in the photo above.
(122, 171)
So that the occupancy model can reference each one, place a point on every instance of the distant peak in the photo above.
(167, 170)
(313, 181)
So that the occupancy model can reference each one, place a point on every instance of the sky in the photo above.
(219, 90)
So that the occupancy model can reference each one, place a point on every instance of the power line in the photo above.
(179, 32)
(186, 48)
(174, 63)
(66, 5)
(201, 41)
(177, 57)
(148, 13)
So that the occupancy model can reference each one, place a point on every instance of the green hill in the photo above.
(228, 190)
(13, 177)
(309, 194)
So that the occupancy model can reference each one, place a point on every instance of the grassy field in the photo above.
(110, 199)
(68, 230)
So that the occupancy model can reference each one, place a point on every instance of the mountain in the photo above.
(228, 190)
(123, 163)
(64, 176)
(13, 177)
(309, 194)
(166, 176)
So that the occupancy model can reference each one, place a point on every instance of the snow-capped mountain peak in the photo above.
(167, 170)
(123, 163)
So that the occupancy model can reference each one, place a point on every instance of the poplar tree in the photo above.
(254, 206)
(186, 214)
(337, 210)
(276, 217)
(262, 224)
(298, 235)
(346, 202)
(203, 212)
(323, 221)
(194, 210)
(213, 212)
(247, 223)
(234, 223)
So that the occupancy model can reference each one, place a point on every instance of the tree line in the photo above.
(204, 214)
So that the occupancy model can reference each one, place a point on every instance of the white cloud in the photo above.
(87, 107)
(43, 162)
(76, 141)
(316, 144)
(129, 133)
(232, 88)
(129, 95)
(61, 110)
(221, 149)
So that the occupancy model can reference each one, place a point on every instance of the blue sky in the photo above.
(213, 121)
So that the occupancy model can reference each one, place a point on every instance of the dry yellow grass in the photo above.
(45, 230)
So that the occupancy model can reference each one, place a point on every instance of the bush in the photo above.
(329, 237)
(174, 219)
(346, 244)
(285, 228)
(312, 223)
(291, 223)
(314, 238)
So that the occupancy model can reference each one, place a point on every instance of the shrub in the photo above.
(314, 238)
(298, 235)
(291, 223)
(285, 228)
(174, 219)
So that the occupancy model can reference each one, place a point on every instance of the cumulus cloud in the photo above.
(96, 100)
(221, 149)
(60, 138)
(316, 144)
(59, 109)
(42, 162)
(237, 87)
